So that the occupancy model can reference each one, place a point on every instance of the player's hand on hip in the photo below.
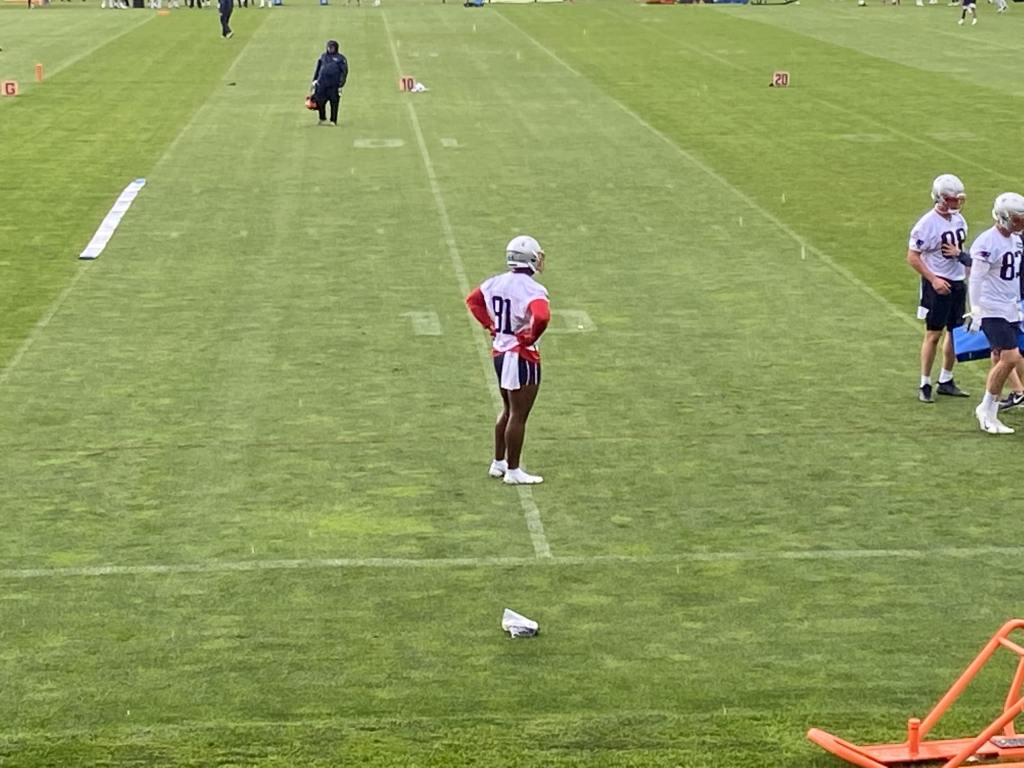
(941, 286)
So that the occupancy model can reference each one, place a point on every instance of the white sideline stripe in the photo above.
(110, 222)
(711, 172)
(40, 326)
(399, 563)
(47, 74)
(934, 146)
(530, 511)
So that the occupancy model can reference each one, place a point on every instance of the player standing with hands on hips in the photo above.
(995, 301)
(514, 307)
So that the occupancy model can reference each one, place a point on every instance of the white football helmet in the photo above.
(1008, 211)
(524, 251)
(948, 193)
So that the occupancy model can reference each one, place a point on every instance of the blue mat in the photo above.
(974, 346)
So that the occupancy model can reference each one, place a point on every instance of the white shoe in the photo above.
(961, 22)
(991, 424)
(498, 468)
(519, 477)
(974, 21)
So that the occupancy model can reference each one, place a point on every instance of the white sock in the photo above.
(945, 376)
(926, 380)
(989, 402)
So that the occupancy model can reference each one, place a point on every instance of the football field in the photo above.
(243, 454)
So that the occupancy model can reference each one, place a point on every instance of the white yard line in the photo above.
(712, 173)
(530, 511)
(402, 563)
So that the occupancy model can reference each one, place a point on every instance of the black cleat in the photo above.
(950, 388)
(1012, 401)
(924, 394)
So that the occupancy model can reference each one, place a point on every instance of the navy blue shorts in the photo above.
(944, 310)
(529, 373)
(1001, 333)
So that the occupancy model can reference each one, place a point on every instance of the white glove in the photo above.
(973, 319)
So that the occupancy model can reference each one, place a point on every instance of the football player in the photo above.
(970, 7)
(514, 308)
(994, 288)
(934, 252)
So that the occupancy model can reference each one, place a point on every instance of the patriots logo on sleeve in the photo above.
(920, 243)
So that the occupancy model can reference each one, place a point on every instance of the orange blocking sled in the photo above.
(997, 742)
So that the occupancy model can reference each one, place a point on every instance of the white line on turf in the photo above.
(530, 511)
(40, 326)
(355, 563)
(91, 50)
(934, 146)
(712, 173)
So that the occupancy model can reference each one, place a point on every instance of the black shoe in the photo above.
(950, 388)
(924, 394)
(1012, 401)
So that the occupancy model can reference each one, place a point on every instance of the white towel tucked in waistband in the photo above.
(510, 371)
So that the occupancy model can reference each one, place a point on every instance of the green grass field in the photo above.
(245, 507)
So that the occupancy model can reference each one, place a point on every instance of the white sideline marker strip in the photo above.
(111, 221)
(353, 563)
(534, 524)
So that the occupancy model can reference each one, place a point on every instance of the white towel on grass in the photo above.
(518, 625)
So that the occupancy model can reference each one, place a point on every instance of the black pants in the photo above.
(332, 95)
(225, 15)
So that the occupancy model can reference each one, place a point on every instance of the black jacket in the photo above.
(331, 71)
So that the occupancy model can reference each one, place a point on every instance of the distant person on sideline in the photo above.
(225, 7)
(329, 78)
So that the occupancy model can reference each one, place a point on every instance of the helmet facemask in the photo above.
(948, 194)
(1008, 212)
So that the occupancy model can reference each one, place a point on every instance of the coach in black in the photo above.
(329, 78)
(225, 15)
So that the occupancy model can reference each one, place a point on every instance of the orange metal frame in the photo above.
(951, 752)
